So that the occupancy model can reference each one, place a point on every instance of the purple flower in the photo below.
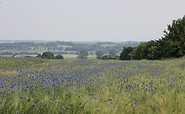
(143, 97)
(63, 108)
(33, 105)
(25, 82)
(171, 84)
(20, 97)
(135, 102)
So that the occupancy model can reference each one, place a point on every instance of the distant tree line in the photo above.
(61, 47)
(112, 55)
(18, 53)
(171, 45)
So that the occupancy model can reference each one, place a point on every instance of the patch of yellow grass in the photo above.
(8, 72)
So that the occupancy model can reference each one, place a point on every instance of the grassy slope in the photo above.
(92, 86)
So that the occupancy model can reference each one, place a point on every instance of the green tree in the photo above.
(153, 52)
(174, 38)
(140, 52)
(106, 57)
(48, 55)
(171, 45)
(126, 53)
(59, 56)
(82, 54)
(112, 52)
(99, 54)
(39, 56)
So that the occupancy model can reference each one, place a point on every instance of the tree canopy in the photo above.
(82, 54)
(50, 55)
(99, 54)
(171, 45)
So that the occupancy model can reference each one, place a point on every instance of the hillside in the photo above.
(58, 47)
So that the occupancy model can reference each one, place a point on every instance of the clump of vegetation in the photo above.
(99, 54)
(111, 56)
(49, 55)
(126, 54)
(171, 45)
(59, 56)
(82, 54)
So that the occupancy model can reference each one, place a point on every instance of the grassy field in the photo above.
(74, 56)
(92, 87)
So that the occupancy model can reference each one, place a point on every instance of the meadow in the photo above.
(35, 86)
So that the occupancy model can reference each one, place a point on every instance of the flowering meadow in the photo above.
(92, 87)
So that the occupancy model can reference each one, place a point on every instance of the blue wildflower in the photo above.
(20, 97)
(143, 97)
(135, 102)
(63, 108)
(33, 105)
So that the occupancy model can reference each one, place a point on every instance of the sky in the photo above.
(87, 20)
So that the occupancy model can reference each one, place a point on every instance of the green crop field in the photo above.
(36, 86)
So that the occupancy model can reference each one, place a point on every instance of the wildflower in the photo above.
(135, 102)
(25, 82)
(130, 84)
(20, 97)
(171, 84)
(54, 83)
(33, 105)
(19, 80)
(122, 95)
(13, 84)
(63, 108)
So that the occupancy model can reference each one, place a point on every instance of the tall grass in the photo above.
(95, 87)
(9, 61)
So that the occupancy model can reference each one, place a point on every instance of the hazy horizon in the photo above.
(82, 20)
